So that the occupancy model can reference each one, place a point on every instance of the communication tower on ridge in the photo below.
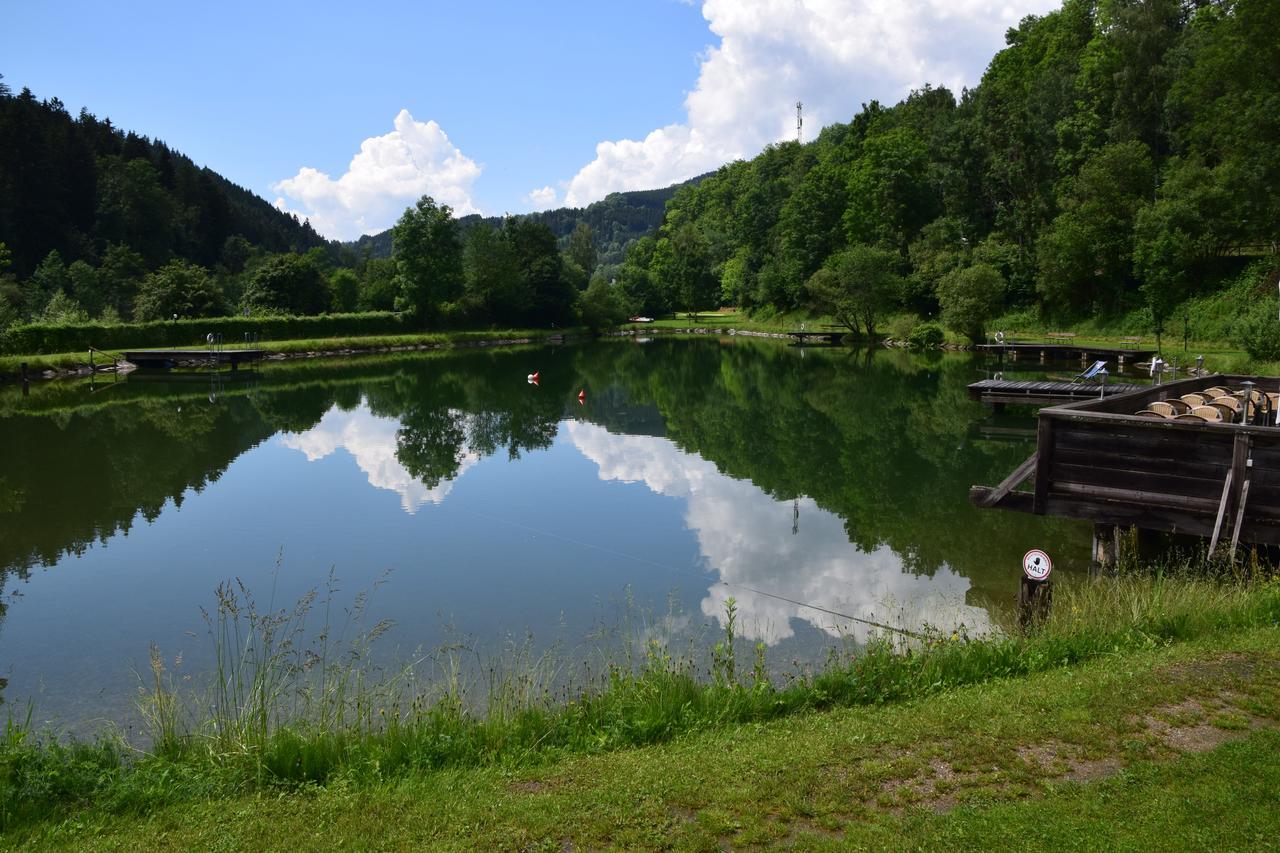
(799, 119)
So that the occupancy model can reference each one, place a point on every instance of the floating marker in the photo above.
(533, 378)
(582, 397)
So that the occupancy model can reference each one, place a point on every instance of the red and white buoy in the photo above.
(533, 378)
(582, 397)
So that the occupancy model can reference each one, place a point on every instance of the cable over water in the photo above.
(636, 558)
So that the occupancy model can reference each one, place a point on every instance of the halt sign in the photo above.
(1036, 565)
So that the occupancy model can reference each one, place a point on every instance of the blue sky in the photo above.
(488, 106)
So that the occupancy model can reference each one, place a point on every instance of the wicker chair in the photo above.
(1212, 414)
(1229, 415)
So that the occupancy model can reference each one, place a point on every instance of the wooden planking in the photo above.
(1041, 392)
(1149, 481)
(1195, 469)
(1097, 461)
(1151, 443)
(1019, 474)
(1256, 527)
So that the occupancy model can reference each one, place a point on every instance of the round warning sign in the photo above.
(1036, 564)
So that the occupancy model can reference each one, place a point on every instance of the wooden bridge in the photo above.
(1041, 392)
(170, 358)
(825, 336)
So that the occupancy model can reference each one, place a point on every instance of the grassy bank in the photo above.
(1223, 354)
(289, 722)
(9, 364)
(1171, 747)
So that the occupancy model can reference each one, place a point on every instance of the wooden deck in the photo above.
(1059, 351)
(1098, 461)
(1042, 392)
(168, 359)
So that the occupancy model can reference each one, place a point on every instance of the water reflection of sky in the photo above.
(744, 536)
(371, 441)
(555, 543)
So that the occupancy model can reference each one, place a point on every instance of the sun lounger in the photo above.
(1091, 375)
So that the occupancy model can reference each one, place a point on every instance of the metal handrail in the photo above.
(116, 358)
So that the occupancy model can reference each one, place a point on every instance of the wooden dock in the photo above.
(1058, 351)
(1100, 461)
(171, 358)
(1042, 392)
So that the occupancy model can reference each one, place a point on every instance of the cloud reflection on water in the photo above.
(746, 537)
(371, 441)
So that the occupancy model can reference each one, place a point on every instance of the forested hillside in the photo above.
(1118, 156)
(99, 222)
(78, 185)
(1119, 159)
(615, 221)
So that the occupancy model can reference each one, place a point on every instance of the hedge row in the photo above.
(37, 338)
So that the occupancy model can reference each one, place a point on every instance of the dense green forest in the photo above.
(101, 226)
(1118, 156)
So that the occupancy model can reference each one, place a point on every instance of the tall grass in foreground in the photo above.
(285, 709)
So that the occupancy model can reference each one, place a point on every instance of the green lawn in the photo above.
(1174, 748)
(376, 343)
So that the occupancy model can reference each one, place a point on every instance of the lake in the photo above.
(476, 508)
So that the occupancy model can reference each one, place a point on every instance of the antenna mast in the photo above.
(799, 119)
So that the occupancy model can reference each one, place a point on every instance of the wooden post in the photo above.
(1044, 454)
(1104, 549)
(1034, 600)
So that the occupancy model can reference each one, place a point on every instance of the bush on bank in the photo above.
(39, 338)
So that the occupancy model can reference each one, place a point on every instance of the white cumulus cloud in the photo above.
(833, 55)
(389, 173)
(543, 198)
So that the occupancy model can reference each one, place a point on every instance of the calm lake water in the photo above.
(694, 470)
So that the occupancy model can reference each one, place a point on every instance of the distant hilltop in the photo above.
(616, 220)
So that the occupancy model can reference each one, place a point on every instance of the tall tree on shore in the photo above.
(428, 256)
(582, 248)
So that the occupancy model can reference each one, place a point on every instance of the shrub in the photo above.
(926, 336)
(43, 338)
(901, 327)
(969, 298)
(1258, 331)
